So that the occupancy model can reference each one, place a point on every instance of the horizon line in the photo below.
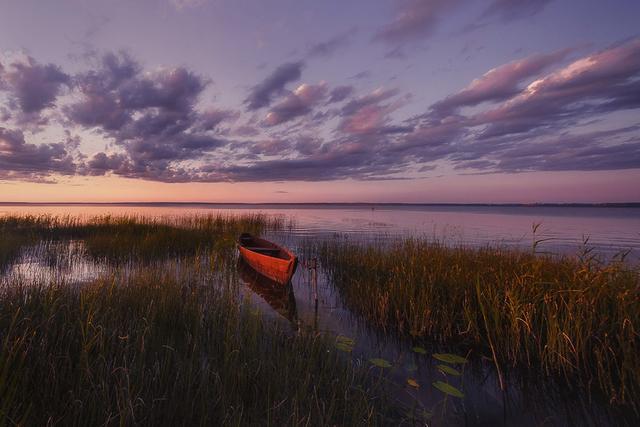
(160, 203)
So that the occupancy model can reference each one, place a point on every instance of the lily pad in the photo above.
(419, 350)
(413, 383)
(448, 389)
(419, 415)
(345, 340)
(344, 347)
(345, 344)
(381, 363)
(426, 415)
(449, 370)
(449, 358)
(411, 368)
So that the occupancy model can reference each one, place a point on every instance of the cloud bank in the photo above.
(532, 114)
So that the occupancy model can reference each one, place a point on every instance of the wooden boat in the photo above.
(272, 261)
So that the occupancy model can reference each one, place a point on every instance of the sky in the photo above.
(417, 101)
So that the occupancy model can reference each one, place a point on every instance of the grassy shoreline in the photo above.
(561, 317)
(131, 237)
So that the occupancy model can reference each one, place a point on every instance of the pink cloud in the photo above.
(610, 75)
(368, 114)
(501, 82)
(297, 103)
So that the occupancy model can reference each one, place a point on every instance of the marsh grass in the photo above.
(10, 246)
(162, 336)
(132, 237)
(562, 317)
(168, 345)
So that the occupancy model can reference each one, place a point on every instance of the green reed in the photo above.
(168, 344)
(562, 317)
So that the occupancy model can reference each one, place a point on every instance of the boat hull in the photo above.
(279, 297)
(278, 268)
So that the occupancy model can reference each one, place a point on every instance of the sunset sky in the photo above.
(303, 101)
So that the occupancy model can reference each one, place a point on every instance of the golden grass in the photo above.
(551, 316)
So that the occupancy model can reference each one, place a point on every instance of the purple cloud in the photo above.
(33, 162)
(32, 86)
(328, 47)
(396, 53)
(499, 83)
(210, 119)
(368, 114)
(340, 93)
(525, 116)
(604, 150)
(269, 147)
(415, 19)
(262, 94)
(150, 115)
(509, 10)
(361, 75)
(598, 83)
(345, 159)
(297, 103)
(102, 163)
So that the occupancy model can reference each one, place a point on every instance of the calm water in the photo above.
(527, 402)
(608, 230)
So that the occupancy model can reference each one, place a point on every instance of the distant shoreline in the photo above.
(339, 204)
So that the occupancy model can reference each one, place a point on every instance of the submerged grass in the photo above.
(557, 316)
(168, 346)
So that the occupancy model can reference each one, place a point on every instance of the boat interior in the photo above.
(261, 246)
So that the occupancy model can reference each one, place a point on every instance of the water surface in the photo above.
(563, 229)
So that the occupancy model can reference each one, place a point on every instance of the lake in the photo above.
(562, 229)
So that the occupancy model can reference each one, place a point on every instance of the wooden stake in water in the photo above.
(313, 278)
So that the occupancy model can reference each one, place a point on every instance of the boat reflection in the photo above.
(279, 297)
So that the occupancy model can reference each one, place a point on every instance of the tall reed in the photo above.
(554, 316)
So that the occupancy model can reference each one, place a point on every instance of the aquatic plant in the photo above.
(556, 316)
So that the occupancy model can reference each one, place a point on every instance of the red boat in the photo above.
(272, 261)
